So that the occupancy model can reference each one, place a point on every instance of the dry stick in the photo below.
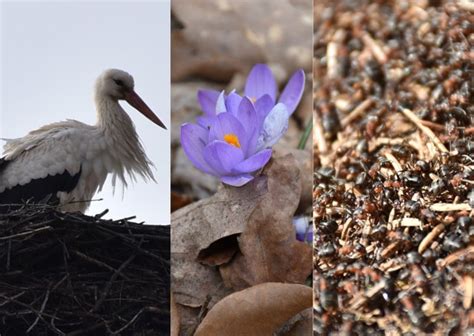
(99, 263)
(466, 4)
(468, 291)
(433, 125)
(43, 306)
(9, 252)
(102, 214)
(318, 135)
(331, 56)
(134, 318)
(111, 281)
(446, 207)
(396, 165)
(357, 302)
(357, 112)
(53, 325)
(458, 255)
(12, 298)
(46, 228)
(345, 228)
(428, 132)
(426, 242)
(410, 221)
(31, 309)
(374, 48)
(469, 130)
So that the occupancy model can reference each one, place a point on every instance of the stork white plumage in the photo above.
(66, 163)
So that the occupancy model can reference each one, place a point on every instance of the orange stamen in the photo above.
(232, 139)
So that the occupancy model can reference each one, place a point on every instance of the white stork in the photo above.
(65, 163)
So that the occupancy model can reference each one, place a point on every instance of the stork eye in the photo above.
(118, 82)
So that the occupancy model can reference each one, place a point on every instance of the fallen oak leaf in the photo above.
(304, 161)
(269, 251)
(219, 252)
(299, 325)
(198, 225)
(258, 310)
(192, 283)
(199, 229)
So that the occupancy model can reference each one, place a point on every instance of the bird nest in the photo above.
(80, 275)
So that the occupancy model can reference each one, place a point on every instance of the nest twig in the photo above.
(80, 275)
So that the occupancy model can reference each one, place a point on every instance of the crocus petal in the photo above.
(220, 104)
(293, 91)
(226, 123)
(232, 103)
(305, 236)
(208, 99)
(222, 157)
(237, 180)
(263, 106)
(193, 141)
(259, 82)
(303, 229)
(254, 162)
(274, 126)
(247, 115)
(205, 121)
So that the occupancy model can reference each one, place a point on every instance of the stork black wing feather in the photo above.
(38, 190)
(3, 164)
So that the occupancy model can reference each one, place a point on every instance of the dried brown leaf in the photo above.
(206, 233)
(258, 310)
(193, 283)
(219, 252)
(269, 250)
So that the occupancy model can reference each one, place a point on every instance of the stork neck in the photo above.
(110, 114)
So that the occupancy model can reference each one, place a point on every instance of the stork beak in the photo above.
(134, 99)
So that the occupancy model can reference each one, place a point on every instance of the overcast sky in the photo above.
(51, 54)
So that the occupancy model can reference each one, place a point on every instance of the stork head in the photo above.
(119, 85)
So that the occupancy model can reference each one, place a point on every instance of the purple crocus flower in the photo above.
(233, 138)
(303, 228)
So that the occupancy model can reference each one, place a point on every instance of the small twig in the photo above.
(426, 242)
(318, 135)
(433, 125)
(134, 318)
(12, 298)
(409, 221)
(111, 281)
(99, 263)
(374, 48)
(27, 233)
(393, 160)
(446, 207)
(468, 291)
(331, 56)
(362, 298)
(31, 309)
(357, 112)
(345, 228)
(455, 256)
(43, 306)
(428, 132)
(466, 4)
(102, 214)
